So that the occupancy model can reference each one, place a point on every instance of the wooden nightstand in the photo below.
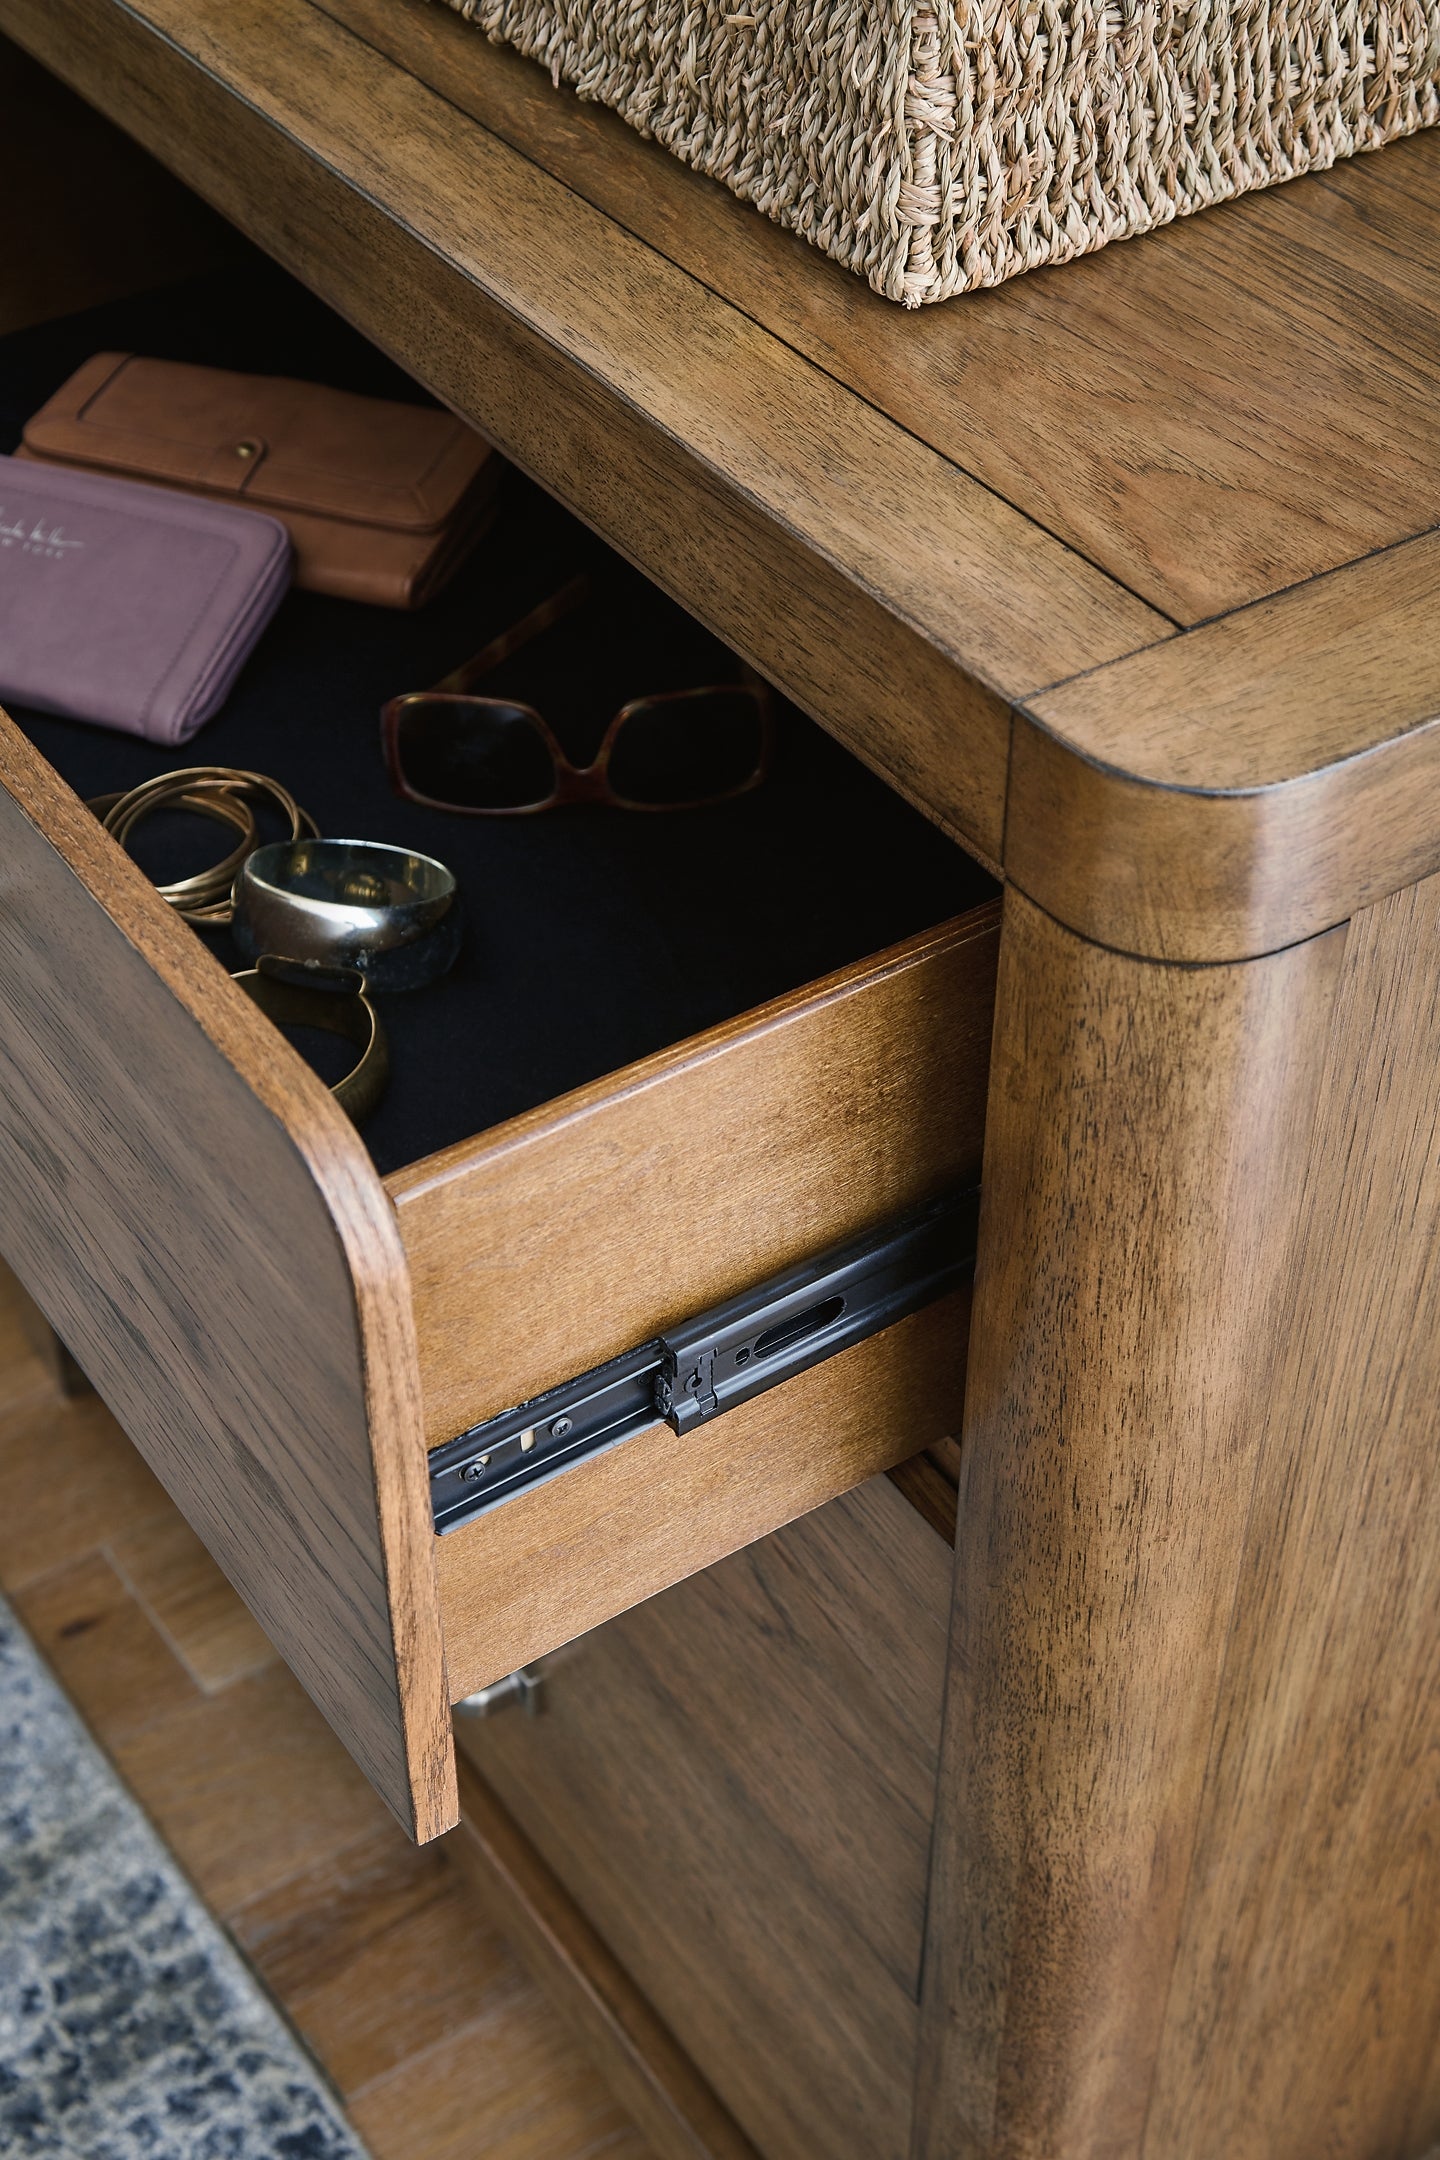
(1126, 574)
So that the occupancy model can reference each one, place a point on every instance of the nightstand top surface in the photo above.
(1124, 571)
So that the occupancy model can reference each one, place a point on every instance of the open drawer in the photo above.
(282, 1333)
(286, 1315)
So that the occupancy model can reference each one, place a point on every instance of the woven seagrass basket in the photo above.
(934, 148)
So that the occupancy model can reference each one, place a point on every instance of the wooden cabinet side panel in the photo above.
(1305, 2014)
(203, 1227)
(649, 2073)
(735, 1784)
(1146, 1139)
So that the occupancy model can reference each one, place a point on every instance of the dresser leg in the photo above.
(1187, 1863)
(46, 1345)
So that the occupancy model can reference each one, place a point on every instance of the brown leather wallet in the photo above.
(383, 501)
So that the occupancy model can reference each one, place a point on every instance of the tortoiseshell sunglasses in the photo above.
(494, 757)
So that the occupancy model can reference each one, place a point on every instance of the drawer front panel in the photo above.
(735, 1783)
(204, 1229)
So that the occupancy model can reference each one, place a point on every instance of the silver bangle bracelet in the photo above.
(392, 914)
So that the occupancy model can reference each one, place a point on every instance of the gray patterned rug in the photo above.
(129, 2028)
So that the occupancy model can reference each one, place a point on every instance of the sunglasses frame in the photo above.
(573, 783)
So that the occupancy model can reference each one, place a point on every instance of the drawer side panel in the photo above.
(580, 1230)
(544, 1567)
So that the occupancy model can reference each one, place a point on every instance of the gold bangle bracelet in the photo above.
(300, 993)
(221, 791)
(190, 895)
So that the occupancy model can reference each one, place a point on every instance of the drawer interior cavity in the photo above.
(594, 937)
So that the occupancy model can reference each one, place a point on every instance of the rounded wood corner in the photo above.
(1250, 783)
(1209, 876)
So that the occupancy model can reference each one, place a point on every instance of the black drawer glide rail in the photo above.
(698, 1371)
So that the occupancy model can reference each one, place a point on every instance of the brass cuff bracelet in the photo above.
(302, 993)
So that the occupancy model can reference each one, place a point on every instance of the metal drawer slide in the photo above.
(709, 1365)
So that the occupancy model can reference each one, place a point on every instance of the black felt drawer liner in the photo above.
(594, 937)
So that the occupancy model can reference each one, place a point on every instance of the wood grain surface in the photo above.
(194, 1215)
(187, 1600)
(566, 1555)
(930, 1482)
(585, 1227)
(1216, 414)
(736, 1784)
(581, 1229)
(1147, 1140)
(650, 2074)
(1305, 2010)
(1237, 402)
(1191, 1701)
(893, 596)
(1248, 784)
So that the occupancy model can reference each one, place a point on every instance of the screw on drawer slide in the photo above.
(709, 1365)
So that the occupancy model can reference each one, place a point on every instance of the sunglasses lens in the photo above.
(473, 753)
(697, 746)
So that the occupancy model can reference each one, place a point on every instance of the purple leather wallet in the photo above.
(130, 606)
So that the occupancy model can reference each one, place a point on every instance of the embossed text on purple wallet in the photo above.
(130, 606)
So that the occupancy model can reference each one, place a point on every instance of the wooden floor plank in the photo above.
(507, 2088)
(373, 1948)
(436, 1967)
(205, 1622)
(248, 1787)
(65, 1487)
(304, 1935)
(382, 1958)
(117, 1671)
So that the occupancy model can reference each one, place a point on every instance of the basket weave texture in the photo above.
(935, 148)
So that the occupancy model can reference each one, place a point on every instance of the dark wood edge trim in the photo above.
(649, 2073)
(365, 1227)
